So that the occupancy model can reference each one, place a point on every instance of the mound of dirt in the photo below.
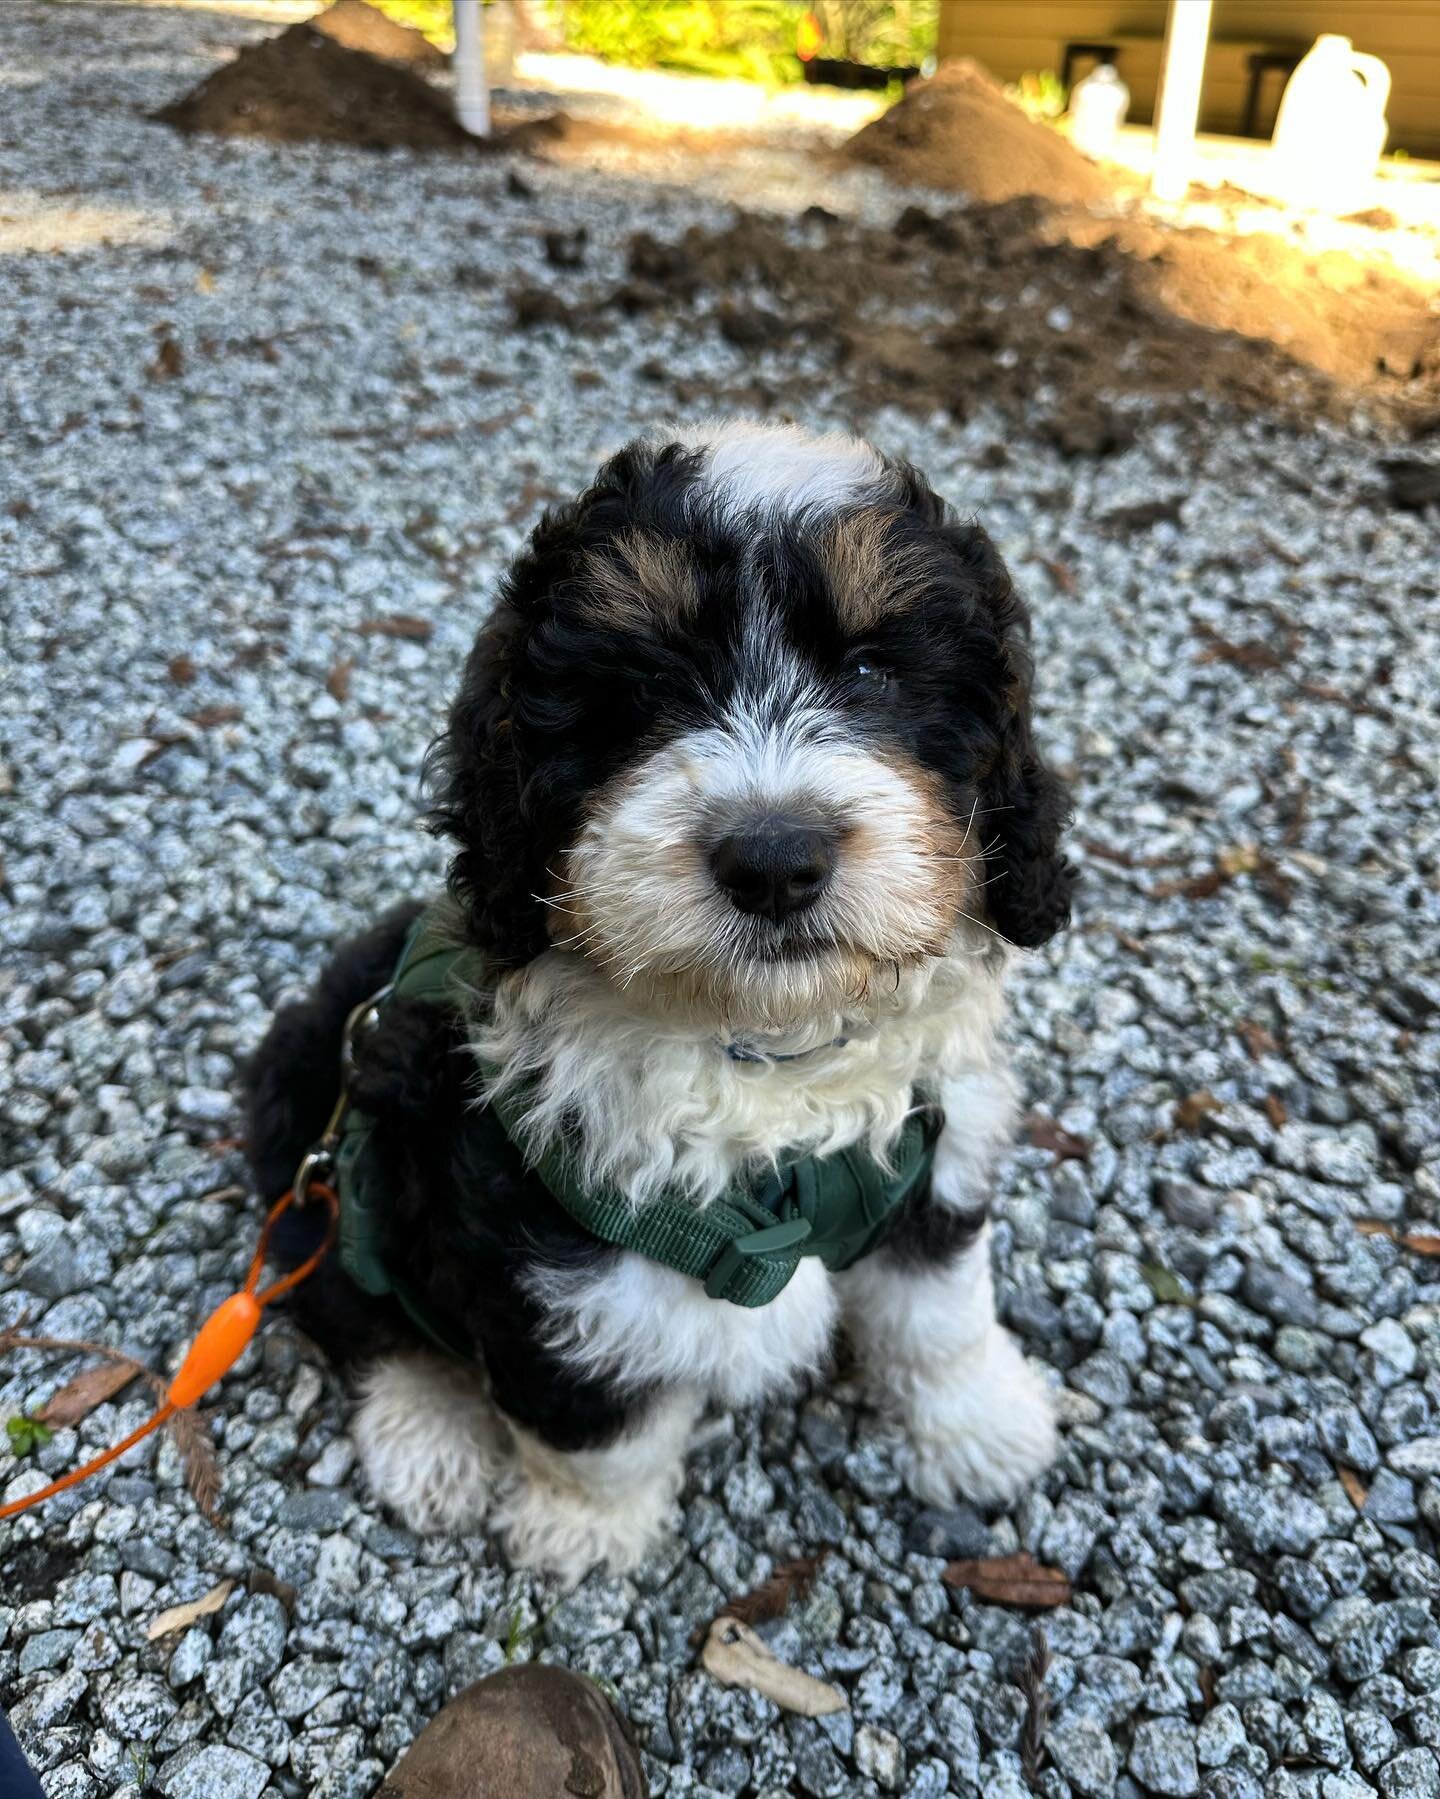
(1367, 328)
(359, 26)
(303, 86)
(1061, 320)
(957, 130)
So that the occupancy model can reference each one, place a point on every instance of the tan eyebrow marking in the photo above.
(639, 579)
(869, 574)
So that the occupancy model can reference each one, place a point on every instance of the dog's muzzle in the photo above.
(774, 866)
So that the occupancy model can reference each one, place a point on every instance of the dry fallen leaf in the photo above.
(1192, 887)
(1192, 1111)
(337, 682)
(1249, 654)
(169, 360)
(1239, 859)
(1064, 1145)
(1355, 1489)
(791, 1581)
(1108, 852)
(210, 716)
(1257, 1040)
(181, 1617)
(1418, 1242)
(261, 1580)
(181, 670)
(91, 1387)
(1275, 1110)
(1017, 1580)
(205, 282)
(736, 1657)
(398, 624)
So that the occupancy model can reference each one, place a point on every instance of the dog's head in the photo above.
(750, 726)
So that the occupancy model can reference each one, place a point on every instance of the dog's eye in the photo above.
(870, 673)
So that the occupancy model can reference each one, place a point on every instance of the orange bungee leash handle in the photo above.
(221, 1341)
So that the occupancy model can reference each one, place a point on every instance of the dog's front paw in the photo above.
(430, 1443)
(559, 1529)
(982, 1428)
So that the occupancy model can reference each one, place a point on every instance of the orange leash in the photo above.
(221, 1342)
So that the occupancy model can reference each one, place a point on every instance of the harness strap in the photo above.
(744, 1246)
(437, 968)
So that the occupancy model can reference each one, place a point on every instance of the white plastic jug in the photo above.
(1098, 105)
(1331, 127)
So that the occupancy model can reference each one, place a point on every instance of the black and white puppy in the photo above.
(747, 815)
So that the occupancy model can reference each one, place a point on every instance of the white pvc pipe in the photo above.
(472, 91)
(1187, 32)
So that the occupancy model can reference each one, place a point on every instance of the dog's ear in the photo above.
(1023, 805)
(495, 770)
(487, 797)
(478, 790)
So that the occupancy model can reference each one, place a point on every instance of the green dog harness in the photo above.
(743, 1246)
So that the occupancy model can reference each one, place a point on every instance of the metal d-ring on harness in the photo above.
(318, 1164)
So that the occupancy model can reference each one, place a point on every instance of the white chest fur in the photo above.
(654, 1101)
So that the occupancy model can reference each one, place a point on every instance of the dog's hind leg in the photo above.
(430, 1441)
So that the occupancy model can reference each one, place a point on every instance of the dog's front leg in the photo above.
(570, 1510)
(921, 1311)
(430, 1441)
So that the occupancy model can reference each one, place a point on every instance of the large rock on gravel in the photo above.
(523, 1732)
(1162, 1758)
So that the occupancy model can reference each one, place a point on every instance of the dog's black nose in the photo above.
(774, 866)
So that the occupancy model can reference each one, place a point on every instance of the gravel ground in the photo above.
(209, 773)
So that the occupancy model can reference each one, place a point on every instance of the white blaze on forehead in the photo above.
(757, 466)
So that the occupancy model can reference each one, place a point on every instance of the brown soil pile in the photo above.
(303, 86)
(958, 130)
(1365, 326)
(1060, 319)
(360, 26)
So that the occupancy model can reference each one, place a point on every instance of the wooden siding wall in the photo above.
(1012, 37)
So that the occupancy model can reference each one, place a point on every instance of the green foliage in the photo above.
(752, 40)
(26, 1435)
(434, 17)
(520, 1635)
(885, 33)
(1039, 95)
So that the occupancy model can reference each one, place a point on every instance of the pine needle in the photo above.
(1037, 1710)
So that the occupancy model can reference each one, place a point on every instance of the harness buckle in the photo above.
(773, 1240)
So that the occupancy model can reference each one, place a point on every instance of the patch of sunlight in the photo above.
(37, 222)
(697, 102)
